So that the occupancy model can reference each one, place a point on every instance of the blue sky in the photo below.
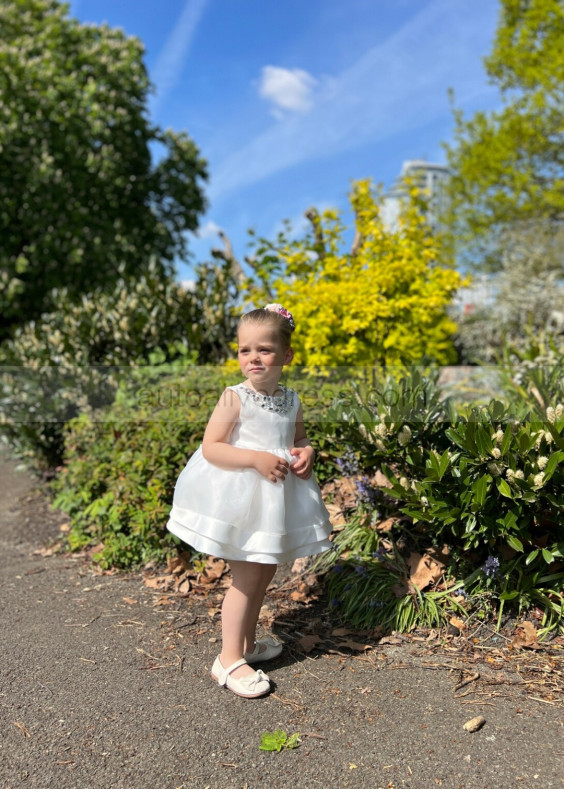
(290, 101)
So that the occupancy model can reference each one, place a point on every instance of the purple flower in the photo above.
(366, 491)
(337, 568)
(348, 464)
(380, 554)
(335, 602)
(491, 567)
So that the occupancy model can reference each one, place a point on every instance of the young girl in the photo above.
(248, 493)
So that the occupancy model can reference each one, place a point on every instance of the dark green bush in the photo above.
(485, 481)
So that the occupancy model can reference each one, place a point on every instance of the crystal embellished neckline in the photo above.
(257, 394)
(280, 404)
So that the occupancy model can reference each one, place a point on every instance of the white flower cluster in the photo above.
(542, 461)
(543, 435)
(538, 479)
(404, 436)
(494, 469)
(511, 474)
(381, 430)
(498, 436)
(496, 452)
(552, 413)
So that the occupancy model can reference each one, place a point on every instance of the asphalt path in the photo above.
(102, 687)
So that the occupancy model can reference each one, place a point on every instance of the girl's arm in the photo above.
(302, 449)
(217, 450)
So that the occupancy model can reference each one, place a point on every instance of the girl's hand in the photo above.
(303, 467)
(271, 466)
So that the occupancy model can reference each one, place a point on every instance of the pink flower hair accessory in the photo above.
(277, 308)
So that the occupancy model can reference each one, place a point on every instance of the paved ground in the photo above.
(100, 688)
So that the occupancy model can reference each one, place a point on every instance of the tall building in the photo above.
(430, 177)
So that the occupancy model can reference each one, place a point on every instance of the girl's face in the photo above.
(262, 356)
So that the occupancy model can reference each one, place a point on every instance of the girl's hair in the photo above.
(275, 319)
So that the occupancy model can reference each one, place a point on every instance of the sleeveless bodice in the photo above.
(265, 422)
(239, 514)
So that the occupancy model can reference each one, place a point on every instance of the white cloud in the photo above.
(287, 89)
(169, 63)
(396, 86)
(208, 231)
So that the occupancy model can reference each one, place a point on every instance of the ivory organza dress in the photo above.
(238, 514)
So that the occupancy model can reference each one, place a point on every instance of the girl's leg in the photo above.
(240, 610)
(267, 574)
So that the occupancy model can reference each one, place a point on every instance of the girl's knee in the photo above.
(251, 574)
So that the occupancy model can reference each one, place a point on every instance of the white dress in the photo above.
(239, 514)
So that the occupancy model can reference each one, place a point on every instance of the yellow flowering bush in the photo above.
(382, 303)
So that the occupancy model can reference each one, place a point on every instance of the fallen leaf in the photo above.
(47, 551)
(266, 615)
(214, 569)
(379, 479)
(308, 642)
(352, 645)
(457, 623)
(180, 564)
(341, 632)
(526, 636)
(387, 524)
(159, 582)
(128, 600)
(164, 600)
(424, 570)
(530, 631)
(390, 640)
(300, 564)
(24, 729)
(183, 587)
(336, 515)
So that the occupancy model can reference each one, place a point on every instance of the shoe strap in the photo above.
(223, 675)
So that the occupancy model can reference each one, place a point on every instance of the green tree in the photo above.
(79, 192)
(508, 165)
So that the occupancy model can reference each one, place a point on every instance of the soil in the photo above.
(106, 684)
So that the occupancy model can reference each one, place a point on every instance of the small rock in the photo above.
(474, 724)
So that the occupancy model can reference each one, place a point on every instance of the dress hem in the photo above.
(216, 549)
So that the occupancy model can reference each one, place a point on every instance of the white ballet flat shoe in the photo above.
(252, 686)
(272, 650)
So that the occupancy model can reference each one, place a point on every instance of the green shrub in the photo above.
(487, 483)
(121, 463)
(71, 361)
